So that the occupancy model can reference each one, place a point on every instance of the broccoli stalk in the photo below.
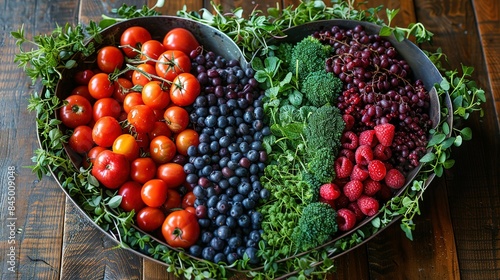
(316, 225)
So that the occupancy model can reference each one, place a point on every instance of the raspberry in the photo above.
(346, 219)
(382, 152)
(368, 205)
(394, 179)
(349, 121)
(385, 133)
(349, 140)
(353, 206)
(363, 154)
(329, 202)
(367, 137)
(329, 191)
(376, 169)
(343, 167)
(359, 173)
(348, 154)
(353, 189)
(371, 187)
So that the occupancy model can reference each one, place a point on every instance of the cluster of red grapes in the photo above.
(379, 89)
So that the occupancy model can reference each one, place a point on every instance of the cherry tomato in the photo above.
(150, 218)
(186, 138)
(176, 118)
(155, 95)
(132, 99)
(100, 86)
(105, 131)
(180, 229)
(160, 128)
(162, 149)
(130, 192)
(111, 169)
(76, 112)
(184, 90)
(180, 39)
(122, 88)
(173, 200)
(143, 74)
(80, 140)
(132, 38)
(106, 107)
(172, 63)
(188, 200)
(142, 169)
(109, 59)
(83, 77)
(154, 192)
(126, 145)
(171, 173)
(142, 139)
(141, 118)
(191, 209)
(151, 50)
(83, 90)
(91, 155)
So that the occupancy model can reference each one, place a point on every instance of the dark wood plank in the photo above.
(473, 182)
(89, 254)
(38, 215)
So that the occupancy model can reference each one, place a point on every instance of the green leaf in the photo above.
(466, 133)
(458, 141)
(271, 64)
(436, 139)
(446, 128)
(445, 85)
(480, 95)
(385, 31)
(448, 143)
(115, 201)
(449, 163)
(295, 98)
(438, 170)
(428, 157)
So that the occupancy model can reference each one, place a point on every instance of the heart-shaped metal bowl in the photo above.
(214, 40)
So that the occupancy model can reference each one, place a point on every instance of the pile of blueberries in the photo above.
(225, 168)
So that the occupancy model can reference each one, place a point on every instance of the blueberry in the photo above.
(211, 121)
(234, 181)
(224, 232)
(244, 188)
(224, 184)
(220, 221)
(222, 206)
(251, 253)
(206, 236)
(208, 253)
(212, 203)
(241, 172)
(219, 132)
(222, 122)
(236, 156)
(232, 103)
(236, 209)
(254, 235)
(238, 197)
(244, 221)
(231, 222)
(253, 155)
(234, 242)
(243, 129)
(215, 176)
(248, 203)
(232, 164)
(232, 257)
(264, 194)
(220, 258)
(192, 151)
(231, 191)
(203, 148)
(195, 250)
(254, 169)
(201, 112)
(211, 191)
(256, 218)
(225, 141)
(242, 103)
(199, 163)
(217, 243)
(199, 191)
(223, 161)
(191, 178)
(212, 212)
(206, 170)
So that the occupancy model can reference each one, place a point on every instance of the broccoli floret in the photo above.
(311, 190)
(316, 225)
(309, 55)
(321, 88)
(322, 133)
(284, 52)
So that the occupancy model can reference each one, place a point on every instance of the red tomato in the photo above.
(180, 39)
(126, 145)
(186, 138)
(76, 112)
(188, 200)
(132, 38)
(141, 118)
(155, 95)
(150, 218)
(83, 90)
(184, 90)
(80, 140)
(109, 59)
(100, 86)
(83, 77)
(154, 192)
(172, 63)
(111, 169)
(91, 155)
(122, 88)
(162, 149)
(130, 192)
(143, 74)
(173, 200)
(142, 139)
(142, 169)
(105, 131)
(171, 173)
(191, 210)
(132, 99)
(180, 229)
(160, 128)
(176, 118)
(106, 107)
(151, 50)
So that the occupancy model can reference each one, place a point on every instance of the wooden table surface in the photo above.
(457, 235)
